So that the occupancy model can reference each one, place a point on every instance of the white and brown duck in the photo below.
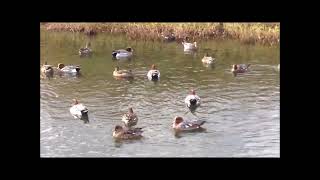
(189, 46)
(79, 111)
(153, 73)
(192, 100)
(207, 59)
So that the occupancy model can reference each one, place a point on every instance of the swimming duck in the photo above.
(85, 51)
(168, 37)
(122, 53)
(70, 69)
(192, 100)
(240, 68)
(122, 73)
(47, 70)
(153, 74)
(79, 111)
(179, 124)
(122, 133)
(207, 59)
(130, 119)
(189, 46)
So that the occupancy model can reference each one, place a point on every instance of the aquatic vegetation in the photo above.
(264, 33)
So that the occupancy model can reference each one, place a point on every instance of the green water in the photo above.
(242, 112)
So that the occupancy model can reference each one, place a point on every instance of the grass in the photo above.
(251, 33)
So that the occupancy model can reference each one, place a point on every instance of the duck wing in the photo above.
(198, 122)
(122, 71)
(134, 130)
(47, 66)
(243, 66)
(153, 71)
(121, 51)
(129, 118)
(68, 68)
(190, 96)
(76, 111)
(188, 126)
(81, 107)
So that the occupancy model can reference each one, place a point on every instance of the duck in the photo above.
(47, 70)
(122, 53)
(181, 125)
(240, 68)
(153, 73)
(121, 133)
(130, 118)
(122, 73)
(189, 46)
(86, 51)
(70, 69)
(207, 59)
(192, 100)
(79, 111)
(169, 37)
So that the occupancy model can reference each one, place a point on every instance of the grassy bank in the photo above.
(264, 33)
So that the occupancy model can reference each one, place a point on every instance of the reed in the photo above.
(251, 33)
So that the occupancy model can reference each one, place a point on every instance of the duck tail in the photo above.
(199, 122)
(114, 53)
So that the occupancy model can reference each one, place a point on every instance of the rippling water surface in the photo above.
(242, 112)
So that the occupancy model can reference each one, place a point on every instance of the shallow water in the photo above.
(242, 112)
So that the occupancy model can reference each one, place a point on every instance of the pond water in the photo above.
(242, 113)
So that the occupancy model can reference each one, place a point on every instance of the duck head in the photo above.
(60, 65)
(88, 45)
(193, 92)
(49, 69)
(153, 67)
(206, 55)
(75, 101)
(117, 68)
(129, 49)
(130, 110)
(234, 67)
(118, 128)
(177, 120)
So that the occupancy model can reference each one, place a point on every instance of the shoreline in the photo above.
(248, 33)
